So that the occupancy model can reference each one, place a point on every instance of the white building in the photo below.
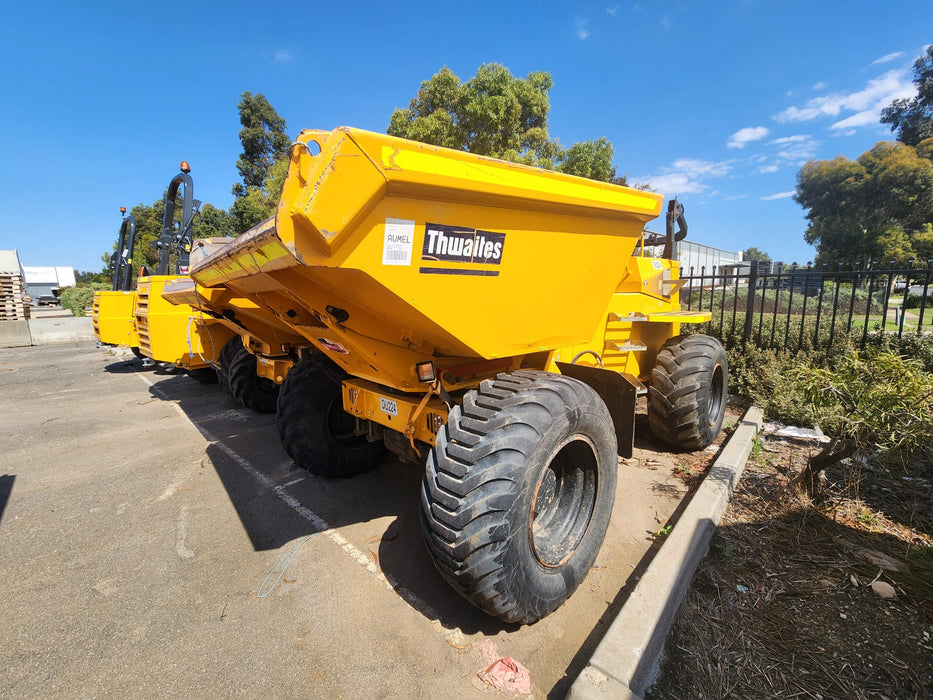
(45, 281)
(696, 258)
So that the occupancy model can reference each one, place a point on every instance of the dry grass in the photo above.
(783, 604)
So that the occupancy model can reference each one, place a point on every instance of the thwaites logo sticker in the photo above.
(457, 244)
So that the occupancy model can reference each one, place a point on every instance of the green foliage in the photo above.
(81, 296)
(757, 447)
(212, 222)
(754, 254)
(923, 241)
(915, 346)
(592, 159)
(83, 277)
(263, 163)
(871, 208)
(257, 204)
(880, 401)
(762, 374)
(499, 115)
(263, 138)
(913, 119)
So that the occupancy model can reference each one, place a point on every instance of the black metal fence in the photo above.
(810, 307)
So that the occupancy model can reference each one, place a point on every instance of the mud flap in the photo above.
(618, 392)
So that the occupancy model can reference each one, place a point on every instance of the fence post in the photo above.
(750, 302)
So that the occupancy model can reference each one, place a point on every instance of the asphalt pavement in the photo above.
(156, 540)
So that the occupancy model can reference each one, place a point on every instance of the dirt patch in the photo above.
(788, 603)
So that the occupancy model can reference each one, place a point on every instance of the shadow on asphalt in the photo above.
(6, 488)
(270, 495)
(133, 365)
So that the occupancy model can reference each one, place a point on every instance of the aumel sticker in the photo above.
(388, 406)
(457, 244)
(398, 241)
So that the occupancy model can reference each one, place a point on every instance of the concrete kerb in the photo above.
(14, 334)
(627, 659)
(44, 331)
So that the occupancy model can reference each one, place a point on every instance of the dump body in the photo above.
(388, 252)
(113, 318)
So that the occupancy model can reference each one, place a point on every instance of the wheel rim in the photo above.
(564, 502)
(714, 407)
(341, 425)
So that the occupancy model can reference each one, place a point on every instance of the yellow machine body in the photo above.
(181, 335)
(114, 319)
(386, 253)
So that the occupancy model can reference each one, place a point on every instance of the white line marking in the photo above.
(181, 547)
(293, 482)
(170, 490)
(454, 636)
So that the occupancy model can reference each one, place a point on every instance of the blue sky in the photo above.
(718, 103)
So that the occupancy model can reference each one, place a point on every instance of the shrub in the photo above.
(78, 298)
(879, 401)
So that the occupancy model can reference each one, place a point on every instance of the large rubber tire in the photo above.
(688, 392)
(227, 354)
(518, 491)
(238, 377)
(247, 387)
(315, 430)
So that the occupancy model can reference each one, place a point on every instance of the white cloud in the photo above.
(887, 58)
(695, 167)
(613, 10)
(796, 138)
(686, 175)
(765, 169)
(819, 86)
(779, 195)
(580, 29)
(675, 183)
(795, 149)
(738, 196)
(283, 56)
(747, 135)
(877, 94)
(869, 116)
(798, 150)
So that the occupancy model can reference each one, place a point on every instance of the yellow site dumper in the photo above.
(142, 319)
(113, 319)
(488, 319)
(112, 311)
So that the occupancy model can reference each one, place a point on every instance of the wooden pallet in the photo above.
(14, 302)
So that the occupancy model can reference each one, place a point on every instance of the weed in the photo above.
(724, 548)
(867, 517)
(663, 531)
(757, 445)
(685, 470)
